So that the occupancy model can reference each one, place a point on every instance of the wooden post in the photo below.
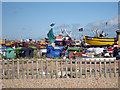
(32, 68)
(51, 68)
(71, 68)
(95, 68)
(56, 69)
(90, 69)
(8, 68)
(61, 69)
(46, 68)
(80, 68)
(23, 69)
(37, 74)
(100, 68)
(105, 68)
(17, 68)
(114, 68)
(13, 69)
(3, 68)
(41, 68)
(27, 68)
(66, 67)
(85, 68)
(76, 68)
(109, 68)
(119, 67)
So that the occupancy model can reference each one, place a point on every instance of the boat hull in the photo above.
(95, 41)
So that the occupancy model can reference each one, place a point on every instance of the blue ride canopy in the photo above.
(54, 52)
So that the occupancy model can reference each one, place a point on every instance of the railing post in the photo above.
(56, 69)
(37, 74)
(8, 68)
(61, 69)
(32, 68)
(80, 68)
(105, 68)
(95, 67)
(119, 67)
(66, 67)
(51, 68)
(85, 68)
(27, 68)
(42, 68)
(13, 69)
(114, 68)
(109, 68)
(3, 68)
(100, 68)
(22, 68)
(46, 68)
(90, 69)
(71, 68)
(76, 68)
(17, 68)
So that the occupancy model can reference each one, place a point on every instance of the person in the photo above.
(66, 55)
(115, 52)
(38, 53)
(97, 33)
(70, 41)
(64, 42)
(106, 35)
(102, 34)
(63, 52)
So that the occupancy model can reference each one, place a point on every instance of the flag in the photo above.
(106, 23)
(51, 35)
(52, 24)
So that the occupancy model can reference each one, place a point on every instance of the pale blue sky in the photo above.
(22, 20)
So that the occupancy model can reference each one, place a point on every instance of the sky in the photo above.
(22, 20)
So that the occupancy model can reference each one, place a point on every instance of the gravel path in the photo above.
(63, 83)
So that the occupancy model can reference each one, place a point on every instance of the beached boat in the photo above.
(59, 40)
(96, 41)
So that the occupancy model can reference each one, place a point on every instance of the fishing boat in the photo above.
(97, 41)
(60, 38)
